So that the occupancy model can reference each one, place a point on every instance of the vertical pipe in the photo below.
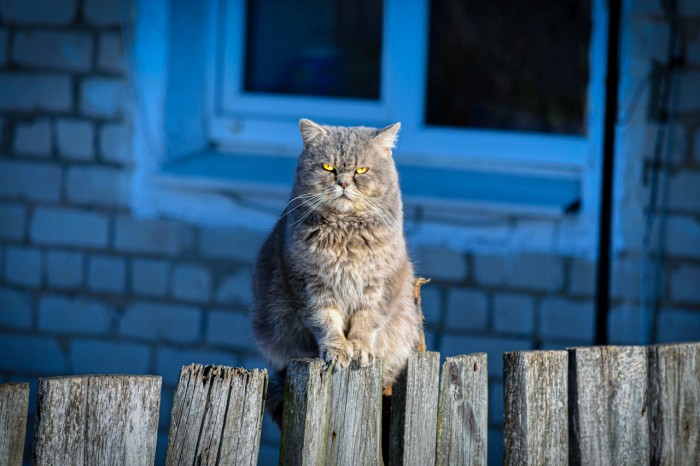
(612, 80)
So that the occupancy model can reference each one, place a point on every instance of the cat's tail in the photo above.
(275, 395)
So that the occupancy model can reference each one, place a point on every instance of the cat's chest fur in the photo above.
(345, 261)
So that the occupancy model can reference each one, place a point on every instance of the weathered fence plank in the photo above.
(14, 401)
(97, 419)
(217, 416)
(535, 409)
(414, 411)
(306, 413)
(674, 396)
(610, 422)
(354, 429)
(462, 417)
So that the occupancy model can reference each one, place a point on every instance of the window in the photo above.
(313, 48)
(509, 64)
(489, 80)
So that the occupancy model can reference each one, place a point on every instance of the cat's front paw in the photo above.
(363, 353)
(339, 355)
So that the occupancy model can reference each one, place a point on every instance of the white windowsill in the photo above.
(502, 192)
(217, 190)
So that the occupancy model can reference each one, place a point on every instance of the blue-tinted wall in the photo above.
(87, 287)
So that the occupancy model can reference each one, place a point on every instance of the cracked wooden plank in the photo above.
(14, 401)
(535, 408)
(97, 419)
(216, 416)
(610, 422)
(354, 429)
(414, 407)
(463, 413)
(674, 403)
(306, 413)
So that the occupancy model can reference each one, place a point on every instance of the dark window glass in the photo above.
(509, 64)
(314, 47)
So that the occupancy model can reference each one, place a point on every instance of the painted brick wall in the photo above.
(86, 287)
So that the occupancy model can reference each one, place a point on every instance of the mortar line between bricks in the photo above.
(75, 81)
(35, 311)
(537, 335)
(98, 156)
(95, 38)
(112, 234)
(153, 357)
(203, 322)
(442, 320)
(54, 139)
(43, 266)
(128, 273)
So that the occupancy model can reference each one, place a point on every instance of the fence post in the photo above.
(535, 409)
(414, 411)
(14, 401)
(217, 416)
(306, 413)
(354, 429)
(97, 419)
(674, 396)
(610, 422)
(463, 413)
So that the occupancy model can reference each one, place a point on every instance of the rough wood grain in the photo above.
(14, 401)
(306, 413)
(97, 419)
(463, 413)
(609, 422)
(674, 396)
(414, 411)
(535, 409)
(217, 416)
(354, 429)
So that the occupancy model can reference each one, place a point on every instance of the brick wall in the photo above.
(86, 287)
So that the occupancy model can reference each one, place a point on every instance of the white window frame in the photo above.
(242, 121)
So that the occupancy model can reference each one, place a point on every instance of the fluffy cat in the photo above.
(334, 280)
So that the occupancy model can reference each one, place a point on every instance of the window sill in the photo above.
(502, 192)
(467, 210)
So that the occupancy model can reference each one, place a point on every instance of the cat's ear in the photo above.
(310, 131)
(386, 137)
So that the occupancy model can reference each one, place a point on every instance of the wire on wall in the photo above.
(657, 205)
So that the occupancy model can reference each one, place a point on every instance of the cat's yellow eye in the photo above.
(327, 167)
(361, 170)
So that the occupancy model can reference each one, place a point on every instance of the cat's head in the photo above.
(347, 169)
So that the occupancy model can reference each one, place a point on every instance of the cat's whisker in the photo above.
(300, 196)
(304, 202)
(312, 208)
(374, 208)
(306, 214)
(313, 201)
(380, 215)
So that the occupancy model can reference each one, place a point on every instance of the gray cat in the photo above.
(334, 280)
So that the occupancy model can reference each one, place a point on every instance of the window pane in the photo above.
(314, 47)
(509, 64)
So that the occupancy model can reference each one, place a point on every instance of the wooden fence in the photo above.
(595, 405)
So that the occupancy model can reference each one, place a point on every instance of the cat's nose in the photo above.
(343, 184)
